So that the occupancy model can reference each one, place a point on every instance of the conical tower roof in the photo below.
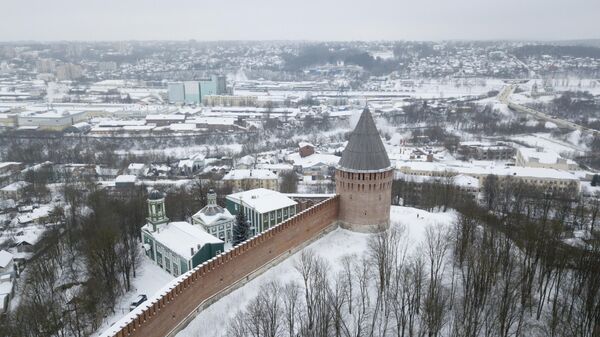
(365, 150)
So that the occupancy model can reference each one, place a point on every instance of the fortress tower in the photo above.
(363, 179)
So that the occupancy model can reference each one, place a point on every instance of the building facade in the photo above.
(263, 208)
(550, 179)
(247, 179)
(228, 100)
(194, 92)
(305, 149)
(483, 151)
(215, 219)
(530, 157)
(363, 179)
(51, 120)
(176, 247)
(176, 92)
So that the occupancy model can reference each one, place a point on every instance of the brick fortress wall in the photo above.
(164, 314)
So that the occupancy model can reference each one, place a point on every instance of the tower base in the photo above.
(375, 228)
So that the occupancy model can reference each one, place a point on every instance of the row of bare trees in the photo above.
(385, 292)
(502, 273)
(86, 264)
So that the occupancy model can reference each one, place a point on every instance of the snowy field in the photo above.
(150, 279)
(417, 88)
(547, 142)
(183, 151)
(213, 321)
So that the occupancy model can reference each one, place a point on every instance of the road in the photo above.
(504, 97)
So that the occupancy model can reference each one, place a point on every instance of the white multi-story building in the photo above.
(551, 179)
(50, 120)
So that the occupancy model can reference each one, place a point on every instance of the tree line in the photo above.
(70, 287)
(470, 278)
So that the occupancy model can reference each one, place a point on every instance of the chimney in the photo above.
(192, 251)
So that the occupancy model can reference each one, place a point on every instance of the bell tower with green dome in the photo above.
(156, 209)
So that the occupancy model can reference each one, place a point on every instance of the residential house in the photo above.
(305, 149)
(137, 169)
(125, 181)
(317, 166)
(14, 191)
(246, 179)
(191, 165)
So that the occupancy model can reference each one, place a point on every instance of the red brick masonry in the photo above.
(215, 276)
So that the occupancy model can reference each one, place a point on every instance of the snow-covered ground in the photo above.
(213, 321)
(150, 279)
(181, 151)
(547, 142)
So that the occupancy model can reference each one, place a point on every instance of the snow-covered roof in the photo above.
(246, 160)
(181, 236)
(542, 156)
(51, 113)
(5, 258)
(190, 162)
(182, 127)
(8, 163)
(118, 123)
(240, 174)
(262, 200)
(303, 144)
(139, 127)
(212, 121)
(166, 117)
(30, 235)
(126, 178)
(210, 214)
(36, 213)
(314, 159)
(465, 181)
(278, 166)
(136, 166)
(481, 170)
(17, 185)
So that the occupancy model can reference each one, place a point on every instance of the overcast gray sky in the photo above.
(299, 19)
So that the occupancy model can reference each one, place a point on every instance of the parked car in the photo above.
(138, 300)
